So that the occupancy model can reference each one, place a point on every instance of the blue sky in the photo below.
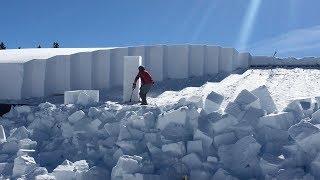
(292, 27)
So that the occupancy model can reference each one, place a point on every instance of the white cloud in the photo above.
(299, 42)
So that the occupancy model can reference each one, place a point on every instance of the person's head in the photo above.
(141, 68)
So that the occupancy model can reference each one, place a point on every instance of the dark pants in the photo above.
(144, 89)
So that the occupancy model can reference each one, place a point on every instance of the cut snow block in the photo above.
(212, 102)
(223, 124)
(192, 160)
(244, 60)
(265, 99)
(82, 97)
(206, 140)
(131, 64)
(101, 69)
(11, 81)
(116, 64)
(175, 116)
(177, 61)
(246, 100)
(81, 71)
(34, 78)
(225, 139)
(57, 79)
(154, 57)
(126, 165)
(283, 120)
(226, 60)
(76, 116)
(196, 60)
(176, 149)
(23, 165)
(65, 171)
(139, 51)
(212, 60)
(242, 157)
(195, 147)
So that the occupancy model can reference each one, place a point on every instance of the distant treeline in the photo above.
(3, 45)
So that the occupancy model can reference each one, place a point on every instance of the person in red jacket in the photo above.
(146, 84)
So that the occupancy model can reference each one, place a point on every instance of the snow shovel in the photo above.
(131, 94)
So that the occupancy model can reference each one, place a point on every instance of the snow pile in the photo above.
(248, 139)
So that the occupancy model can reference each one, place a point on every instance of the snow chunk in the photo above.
(242, 157)
(2, 135)
(176, 149)
(19, 134)
(282, 120)
(96, 173)
(126, 165)
(246, 99)
(23, 165)
(82, 97)
(192, 161)
(22, 109)
(265, 98)
(175, 116)
(195, 147)
(206, 140)
(222, 174)
(212, 102)
(67, 170)
(76, 116)
(139, 176)
(225, 139)
(45, 177)
(223, 124)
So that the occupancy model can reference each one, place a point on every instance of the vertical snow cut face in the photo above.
(11, 81)
(81, 71)
(177, 61)
(57, 77)
(131, 64)
(101, 69)
(154, 62)
(34, 79)
(196, 60)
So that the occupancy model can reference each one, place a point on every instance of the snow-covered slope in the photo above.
(283, 84)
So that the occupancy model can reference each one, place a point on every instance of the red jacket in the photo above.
(145, 77)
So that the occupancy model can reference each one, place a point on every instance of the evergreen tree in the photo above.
(39, 46)
(2, 46)
(55, 45)
(19, 47)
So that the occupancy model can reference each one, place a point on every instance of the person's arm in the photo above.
(135, 81)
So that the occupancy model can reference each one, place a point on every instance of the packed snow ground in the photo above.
(249, 125)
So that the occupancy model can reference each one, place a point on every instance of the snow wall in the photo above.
(103, 68)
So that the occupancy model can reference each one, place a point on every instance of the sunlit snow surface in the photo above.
(283, 84)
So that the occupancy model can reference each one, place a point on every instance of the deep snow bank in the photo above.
(192, 137)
